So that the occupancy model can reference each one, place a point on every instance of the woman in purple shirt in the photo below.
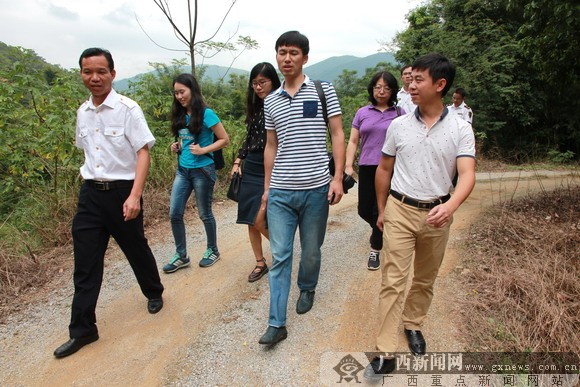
(370, 126)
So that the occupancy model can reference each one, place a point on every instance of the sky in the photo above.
(59, 30)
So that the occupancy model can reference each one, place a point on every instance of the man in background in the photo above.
(459, 107)
(403, 96)
(112, 131)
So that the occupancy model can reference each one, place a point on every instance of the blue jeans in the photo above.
(201, 181)
(288, 210)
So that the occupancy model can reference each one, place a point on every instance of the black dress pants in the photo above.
(100, 216)
(367, 203)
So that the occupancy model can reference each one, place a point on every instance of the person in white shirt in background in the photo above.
(403, 96)
(459, 108)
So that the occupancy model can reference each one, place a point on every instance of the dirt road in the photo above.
(207, 332)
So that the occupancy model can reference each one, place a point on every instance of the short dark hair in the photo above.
(390, 80)
(254, 103)
(294, 38)
(405, 67)
(439, 67)
(95, 51)
(461, 92)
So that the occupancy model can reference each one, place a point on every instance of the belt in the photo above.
(109, 185)
(424, 205)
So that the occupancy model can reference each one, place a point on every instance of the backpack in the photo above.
(218, 156)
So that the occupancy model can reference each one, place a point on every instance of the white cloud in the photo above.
(59, 30)
(62, 13)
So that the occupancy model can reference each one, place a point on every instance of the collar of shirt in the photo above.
(461, 106)
(281, 90)
(110, 101)
(373, 107)
(443, 114)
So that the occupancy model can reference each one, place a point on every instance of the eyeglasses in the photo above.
(260, 83)
(384, 88)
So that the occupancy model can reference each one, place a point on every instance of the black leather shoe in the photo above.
(74, 345)
(305, 301)
(273, 335)
(416, 342)
(154, 305)
(378, 367)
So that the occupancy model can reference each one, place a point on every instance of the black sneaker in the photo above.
(378, 367)
(374, 262)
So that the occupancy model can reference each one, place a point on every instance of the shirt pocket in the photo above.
(115, 134)
(309, 109)
(82, 136)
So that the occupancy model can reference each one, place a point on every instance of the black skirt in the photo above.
(252, 188)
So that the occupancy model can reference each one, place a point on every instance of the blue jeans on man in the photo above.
(288, 210)
(201, 181)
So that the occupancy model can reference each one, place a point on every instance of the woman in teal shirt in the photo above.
(194, 125)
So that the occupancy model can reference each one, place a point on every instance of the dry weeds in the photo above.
(523, 279)
(25, 273)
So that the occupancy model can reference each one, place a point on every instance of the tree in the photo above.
(38, 160)
(549, 35)
(494, 46)
(206, 48)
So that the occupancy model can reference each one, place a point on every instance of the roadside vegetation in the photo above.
(522, 276)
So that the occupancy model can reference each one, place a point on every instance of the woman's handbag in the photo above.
(234, 189)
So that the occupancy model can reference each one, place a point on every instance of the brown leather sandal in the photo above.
(258, 271)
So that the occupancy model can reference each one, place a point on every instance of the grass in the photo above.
(30, 259)
(524, 275)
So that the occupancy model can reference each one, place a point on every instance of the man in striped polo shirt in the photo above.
(298, 187)
(422, 152)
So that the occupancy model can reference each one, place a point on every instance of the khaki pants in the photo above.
(405, 232)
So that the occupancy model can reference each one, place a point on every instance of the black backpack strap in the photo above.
(322, 98)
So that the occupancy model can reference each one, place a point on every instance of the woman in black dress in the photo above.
(250, 163)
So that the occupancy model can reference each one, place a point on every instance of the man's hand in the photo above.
(380, 221)
(131, 208)
(440, 216)
(335, 192)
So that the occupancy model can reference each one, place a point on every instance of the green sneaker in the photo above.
(209, 258)
(176, 263)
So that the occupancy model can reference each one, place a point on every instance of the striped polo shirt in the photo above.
(301, 160)
(426, 159)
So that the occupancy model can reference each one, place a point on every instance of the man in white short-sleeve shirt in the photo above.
(421, 154)
(115, 138)
(459, 107)
(404, 100)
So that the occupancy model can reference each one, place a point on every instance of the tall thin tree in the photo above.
(206, 48)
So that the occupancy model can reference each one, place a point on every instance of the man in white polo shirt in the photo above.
(421, 153)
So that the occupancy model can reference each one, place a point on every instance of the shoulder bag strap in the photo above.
(322, 98)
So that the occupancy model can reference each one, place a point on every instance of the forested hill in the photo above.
(329, 69)
(34, 61)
